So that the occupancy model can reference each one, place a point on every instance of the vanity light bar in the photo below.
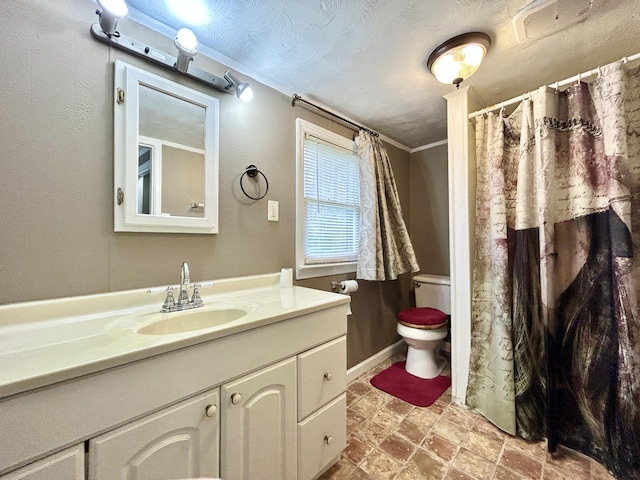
(142, 50)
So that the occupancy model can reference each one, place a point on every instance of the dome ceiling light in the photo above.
(459, 57)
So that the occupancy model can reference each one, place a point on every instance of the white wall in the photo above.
(462, 185)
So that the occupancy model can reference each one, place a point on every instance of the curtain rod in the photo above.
(297, 98)
(555, 85)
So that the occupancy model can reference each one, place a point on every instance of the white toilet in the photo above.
(425, 327)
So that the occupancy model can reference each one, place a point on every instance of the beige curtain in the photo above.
(385, 248)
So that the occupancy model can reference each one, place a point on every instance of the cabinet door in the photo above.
(68, 464)
(178, 442)
(259, 425)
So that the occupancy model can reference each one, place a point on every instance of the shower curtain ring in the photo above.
(579, 78)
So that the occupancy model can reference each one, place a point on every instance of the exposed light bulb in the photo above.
(117, 7)
(247, 94)
(187, 46)
(109, 13)
(243, 90)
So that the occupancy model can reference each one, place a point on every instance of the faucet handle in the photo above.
(196, 299)
(169, 302)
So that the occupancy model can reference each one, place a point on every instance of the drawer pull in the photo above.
(328, 376)
(236, 398)
(211, 410)
(328, 439)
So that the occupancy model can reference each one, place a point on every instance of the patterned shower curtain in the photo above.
(385, 249)
(555, 348)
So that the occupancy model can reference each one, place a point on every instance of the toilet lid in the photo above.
(423, 317)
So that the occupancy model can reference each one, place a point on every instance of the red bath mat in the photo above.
(418, 391)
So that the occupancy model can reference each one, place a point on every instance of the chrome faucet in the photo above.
(183, 302)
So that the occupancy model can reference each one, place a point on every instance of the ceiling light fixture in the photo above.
(243, 90)
(459, 57)
(187, 46)
(109, 13)
(185, 41)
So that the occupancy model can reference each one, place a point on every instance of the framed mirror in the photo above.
(165, 155)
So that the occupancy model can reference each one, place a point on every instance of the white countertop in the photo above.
(49, 341)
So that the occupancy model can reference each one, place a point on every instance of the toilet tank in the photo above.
(433, 291)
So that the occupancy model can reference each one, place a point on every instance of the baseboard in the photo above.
(367, 364)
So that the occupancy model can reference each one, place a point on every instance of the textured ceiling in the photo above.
(366, 58)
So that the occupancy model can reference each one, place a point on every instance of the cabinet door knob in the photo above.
(328, 376)
(328, 439)
(211, 410)
(236, 398)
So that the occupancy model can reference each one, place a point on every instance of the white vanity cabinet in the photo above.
(178, 442)
(259, 424)
(67, 464)
(266, 402)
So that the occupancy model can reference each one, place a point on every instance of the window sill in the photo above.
(313, 271)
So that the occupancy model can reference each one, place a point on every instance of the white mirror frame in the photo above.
(126, 113)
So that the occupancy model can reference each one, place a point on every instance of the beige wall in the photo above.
(429, 218)
(182, 181)
(57, 177)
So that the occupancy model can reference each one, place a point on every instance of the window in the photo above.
(327, 202)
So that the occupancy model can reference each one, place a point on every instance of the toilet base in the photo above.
(425, 363)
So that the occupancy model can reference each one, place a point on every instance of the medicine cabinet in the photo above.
(165, 155)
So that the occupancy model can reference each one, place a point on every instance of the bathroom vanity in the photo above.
(84, 394)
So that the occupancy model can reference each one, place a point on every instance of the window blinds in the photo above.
(331, 203)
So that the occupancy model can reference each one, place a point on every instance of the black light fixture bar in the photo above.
(142, 50)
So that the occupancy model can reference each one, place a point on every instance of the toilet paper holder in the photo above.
(346, 286)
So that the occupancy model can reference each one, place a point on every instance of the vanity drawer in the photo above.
(322, 437)
(322, 375)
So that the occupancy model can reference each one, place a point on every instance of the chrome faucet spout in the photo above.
(183, 298)
(184, 274)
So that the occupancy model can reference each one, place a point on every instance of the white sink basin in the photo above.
(214, 315)
(190, 320)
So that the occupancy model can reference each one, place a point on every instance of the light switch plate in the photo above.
(273, 213)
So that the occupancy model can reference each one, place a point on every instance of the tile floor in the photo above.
(391, 439)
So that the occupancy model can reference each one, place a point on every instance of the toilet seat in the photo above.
(424, 318)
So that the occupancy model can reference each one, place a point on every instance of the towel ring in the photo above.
(252, 172)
